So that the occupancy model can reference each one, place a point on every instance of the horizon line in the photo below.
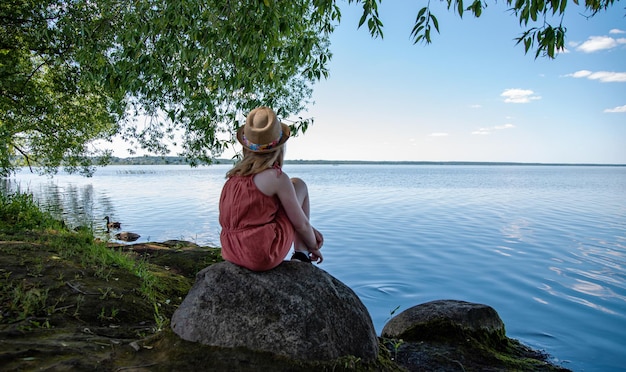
(392, 162)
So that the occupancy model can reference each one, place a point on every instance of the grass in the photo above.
(19, 212)
(42, 244)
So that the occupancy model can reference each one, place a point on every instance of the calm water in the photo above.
(543, 245)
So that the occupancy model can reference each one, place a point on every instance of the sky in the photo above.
(471, 95)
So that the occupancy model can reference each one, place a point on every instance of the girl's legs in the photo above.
(302, 193)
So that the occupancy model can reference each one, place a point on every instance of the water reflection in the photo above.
(517, 229)
(74, 204)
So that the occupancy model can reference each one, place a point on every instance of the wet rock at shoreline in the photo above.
(449, 320)
(450, 335)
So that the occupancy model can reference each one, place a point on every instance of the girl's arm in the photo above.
(287, 196)
(270, 183)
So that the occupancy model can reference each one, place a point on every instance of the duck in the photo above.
(112, 224)
(127, 236)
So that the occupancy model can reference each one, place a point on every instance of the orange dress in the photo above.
(256, 232)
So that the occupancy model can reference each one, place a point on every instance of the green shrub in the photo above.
(20, 211)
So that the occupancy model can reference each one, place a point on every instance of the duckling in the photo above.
(112, 225)
(127, 236)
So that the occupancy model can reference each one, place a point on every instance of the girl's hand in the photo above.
(319, 238)
(316, 256)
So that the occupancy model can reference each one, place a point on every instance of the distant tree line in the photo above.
(160, 160)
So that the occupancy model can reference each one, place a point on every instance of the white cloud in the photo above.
(597, 43)
(617, 31)
(485, 131)
(438, 134)
(482, 131)
(617, 109)
(580, 74)
(602, 76)
(519, 96)
(609, 77)
(475, 106)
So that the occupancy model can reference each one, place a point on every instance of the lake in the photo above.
(545, 246)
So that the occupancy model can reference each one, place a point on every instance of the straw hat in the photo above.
(262, 131)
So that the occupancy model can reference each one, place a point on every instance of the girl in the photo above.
(262, 211)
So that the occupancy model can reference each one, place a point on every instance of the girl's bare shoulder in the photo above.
(269, 181)
(271, 174)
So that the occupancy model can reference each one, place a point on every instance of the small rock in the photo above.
(447, 320)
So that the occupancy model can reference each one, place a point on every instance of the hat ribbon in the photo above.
(256, 147)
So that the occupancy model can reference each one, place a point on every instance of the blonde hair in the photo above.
(256, 162)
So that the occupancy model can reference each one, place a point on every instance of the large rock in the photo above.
(295, 310)
(449, 320)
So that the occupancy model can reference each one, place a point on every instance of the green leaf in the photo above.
(362, 20)
(421, 13)
(533, 10)
(435, 22)
(540, 5)
(477, 8)
(555, 5)
(525, 14)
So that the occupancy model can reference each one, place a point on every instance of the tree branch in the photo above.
(25, 155)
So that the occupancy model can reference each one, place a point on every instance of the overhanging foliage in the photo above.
(74, 72)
